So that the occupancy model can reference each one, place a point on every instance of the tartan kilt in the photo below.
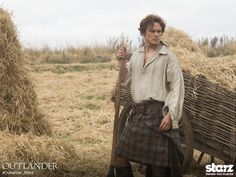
(142, 142)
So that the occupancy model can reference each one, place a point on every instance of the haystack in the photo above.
(20, 118)
(179, 39)
(194, 61)
(30, 149)
(18, 101)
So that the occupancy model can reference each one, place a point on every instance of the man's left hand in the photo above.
(165, 123)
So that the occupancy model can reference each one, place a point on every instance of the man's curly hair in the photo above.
(149, 20)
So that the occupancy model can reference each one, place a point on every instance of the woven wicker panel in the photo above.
(212, 109)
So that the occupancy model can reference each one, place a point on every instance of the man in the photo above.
(151, 135)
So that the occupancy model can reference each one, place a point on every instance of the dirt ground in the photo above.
(77, 103)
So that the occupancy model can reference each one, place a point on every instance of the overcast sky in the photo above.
(59, 23)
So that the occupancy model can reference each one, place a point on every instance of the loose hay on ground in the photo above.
(28, 148)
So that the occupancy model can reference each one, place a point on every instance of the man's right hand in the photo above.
(121, 53)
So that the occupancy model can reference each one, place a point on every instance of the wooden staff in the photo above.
(121, 79)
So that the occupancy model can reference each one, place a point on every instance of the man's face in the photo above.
(153, 34)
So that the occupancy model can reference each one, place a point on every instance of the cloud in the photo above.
(63, 22)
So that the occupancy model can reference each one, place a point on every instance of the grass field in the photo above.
(77, 103)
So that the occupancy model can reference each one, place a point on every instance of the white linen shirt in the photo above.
(160, 79)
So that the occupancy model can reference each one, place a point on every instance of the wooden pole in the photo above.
(121, 79)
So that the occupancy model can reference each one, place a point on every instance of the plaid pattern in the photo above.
(142, 142)
(158, 171)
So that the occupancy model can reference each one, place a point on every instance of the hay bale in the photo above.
(193, 60)
(177, 38)
(18, 100)
(27, 148)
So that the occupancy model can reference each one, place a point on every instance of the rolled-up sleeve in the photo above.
(175, 97)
